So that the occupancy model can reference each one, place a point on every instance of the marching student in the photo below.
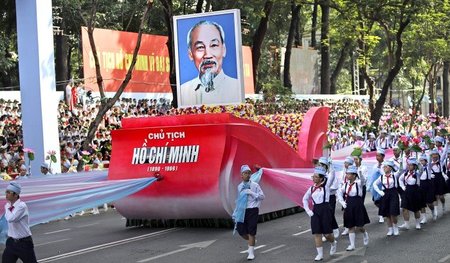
(440, 179)
(355, 213)
(247, 229)
(426, 189)
(321, 214)
(349, 161)
(382, 142)
(375, 174)
(333, 184)
(447, 168)
(362, 173)
(411, 197)
(389, 202)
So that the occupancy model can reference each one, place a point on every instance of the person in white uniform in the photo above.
(19, 244)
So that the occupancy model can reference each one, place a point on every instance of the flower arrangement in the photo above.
(30, 155)
(52, 157)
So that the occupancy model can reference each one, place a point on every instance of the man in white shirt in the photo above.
(19, 244)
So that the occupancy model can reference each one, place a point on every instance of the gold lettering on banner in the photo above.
(246, 70)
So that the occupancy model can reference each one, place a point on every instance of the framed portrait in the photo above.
(208, 56)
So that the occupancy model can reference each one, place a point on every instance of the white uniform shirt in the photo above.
(387, 180)
(252, 201)
(317, 194)
(17, 220)
(348, 189)
(426, 174)
(408, 178)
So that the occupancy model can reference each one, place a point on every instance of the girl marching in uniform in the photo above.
(426, 188)
(439, 179)
(333, 184)
(355, 213)
(390, 202)
(347, 163)
(321, 214)
(411, 196)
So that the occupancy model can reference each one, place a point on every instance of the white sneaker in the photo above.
(366, 238)
(324, 239)
(105, 207)
(318, 258)
(333, 248)
(251, 253)
(424, 220)
(381, 220)
(404, 226)
(390, 232)
(82, 213)
(435, 214)
(350, 248)
(418, 226)
(251, 256)
(345, 232)
(396, 233)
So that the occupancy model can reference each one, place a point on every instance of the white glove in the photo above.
(310, 213)
(404, 188)
(344, 204)
(249, 192)
(445, 177)
(381, 193)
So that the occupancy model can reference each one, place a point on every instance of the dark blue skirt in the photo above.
(389, 203)
(412, 198)
(321, 221)
(427, 191)
(355, 215)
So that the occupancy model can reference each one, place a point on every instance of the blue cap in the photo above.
(439, 139)
(352, 170)
(413, 161)
(245, 168)
(14, 187)
(391, 164)
(434, 151)
(320, 171)
(423, 157)
(323, 160)
(349, 160)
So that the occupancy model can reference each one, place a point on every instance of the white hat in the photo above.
(15, 187)
(380, 151)
(245, 168)
(45, 165)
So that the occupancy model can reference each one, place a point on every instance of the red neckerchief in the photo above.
(411, 173)
(387, 179)
(11, 208)
(349, 189)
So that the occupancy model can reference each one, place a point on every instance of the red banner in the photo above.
(151, 73)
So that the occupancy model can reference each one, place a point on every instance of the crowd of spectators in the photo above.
(347, 118)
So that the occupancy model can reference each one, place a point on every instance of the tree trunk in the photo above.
(168, 14)
(431, 92)
(199, 6)
(339, 65)
(106, 104)
(445, 72)
(378, 110)
(314, 24)
(325, 48)
(258, 39)
(287, 55)
(61, 50)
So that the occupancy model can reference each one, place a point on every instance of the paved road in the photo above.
(104, 238)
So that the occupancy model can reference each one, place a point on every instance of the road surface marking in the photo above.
(93, 224)
(444, 259)
(272, 249)
(301, 233)
(258, 247)
(199, 245)
(107, 245)
(348, 254)
(58, 231)
(51, 242)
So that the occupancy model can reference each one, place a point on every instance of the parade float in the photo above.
(197, 159)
